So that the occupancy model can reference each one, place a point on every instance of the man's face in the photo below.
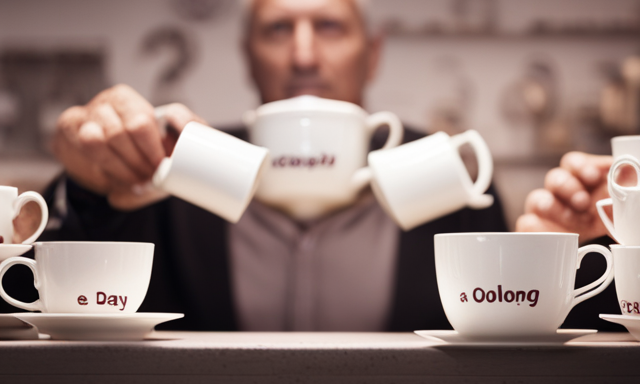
(310, 47)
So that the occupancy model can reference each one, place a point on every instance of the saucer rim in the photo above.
(575, 332)
(606, 316)
(134, 315)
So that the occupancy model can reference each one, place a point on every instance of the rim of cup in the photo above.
(626, 138)
(308, 103)
(508, 233)
(624, 246)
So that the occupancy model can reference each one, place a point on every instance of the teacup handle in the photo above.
(23, 199)
(363, 175)
(588, 291)
(4, 267)
(479, 200)
(616, 190)
(605, 218)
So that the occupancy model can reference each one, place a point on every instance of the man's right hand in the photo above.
(113, 145)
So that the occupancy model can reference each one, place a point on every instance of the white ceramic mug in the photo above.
(318, 152)
(213, 170)
(626, 264)
(625, 145)
(426, 179)
(512, 285)
(86, 277)
(625, 228)
(10, 206)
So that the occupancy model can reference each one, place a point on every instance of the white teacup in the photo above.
(213, 170)
(86, 277)
(420, 181)
(625, 228)
(10, 206)
(318, 152)
(512, 285)
(626, 263)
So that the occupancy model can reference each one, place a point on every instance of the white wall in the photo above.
(411, 80)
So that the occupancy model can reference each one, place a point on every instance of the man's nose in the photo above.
(304, 49)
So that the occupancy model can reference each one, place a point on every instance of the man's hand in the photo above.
(567, 202)
(113, 145)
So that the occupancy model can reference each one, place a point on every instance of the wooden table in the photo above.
(211, 357)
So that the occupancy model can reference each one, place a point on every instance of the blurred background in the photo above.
(535, 78)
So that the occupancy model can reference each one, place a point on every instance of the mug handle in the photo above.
(588, 291)
(23, 199)
(363, 176)
(4, 267)
(485, 167)
(605, 218)
(615, 189)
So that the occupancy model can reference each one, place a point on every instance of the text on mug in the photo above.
(102, 299)
(323, 160)
(479, 296)
(630, 307)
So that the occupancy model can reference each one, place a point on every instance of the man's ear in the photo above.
(373, 58)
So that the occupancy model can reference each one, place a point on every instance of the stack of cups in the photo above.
(625, 202)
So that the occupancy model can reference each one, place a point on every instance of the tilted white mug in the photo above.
(86, 277)
(425, 179)
(10, 205)
(318, 152)
(625, 145)
(625, 228)
(213, 170)
(512, 285)
(626, 264)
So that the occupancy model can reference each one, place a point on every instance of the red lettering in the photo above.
(481, 299)
(101, 298)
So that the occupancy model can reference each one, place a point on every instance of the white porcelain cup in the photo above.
(626, 264)
(10, 205)
(512, 285)
(318, 152)
(86, 277)
(625, 145)
(213, 170)
(625, 228)
(425, 179)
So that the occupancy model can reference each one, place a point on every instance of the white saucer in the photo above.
(107, 326)
(12, 328)
(632, 323)
(10, 250)
(454, 338)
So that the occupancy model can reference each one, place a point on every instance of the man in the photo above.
(352, 270)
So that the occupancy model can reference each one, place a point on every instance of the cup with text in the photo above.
(626, 263)
(512, 285)
(86, 277)
(318, 152)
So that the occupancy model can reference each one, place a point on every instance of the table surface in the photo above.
(247, 357)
